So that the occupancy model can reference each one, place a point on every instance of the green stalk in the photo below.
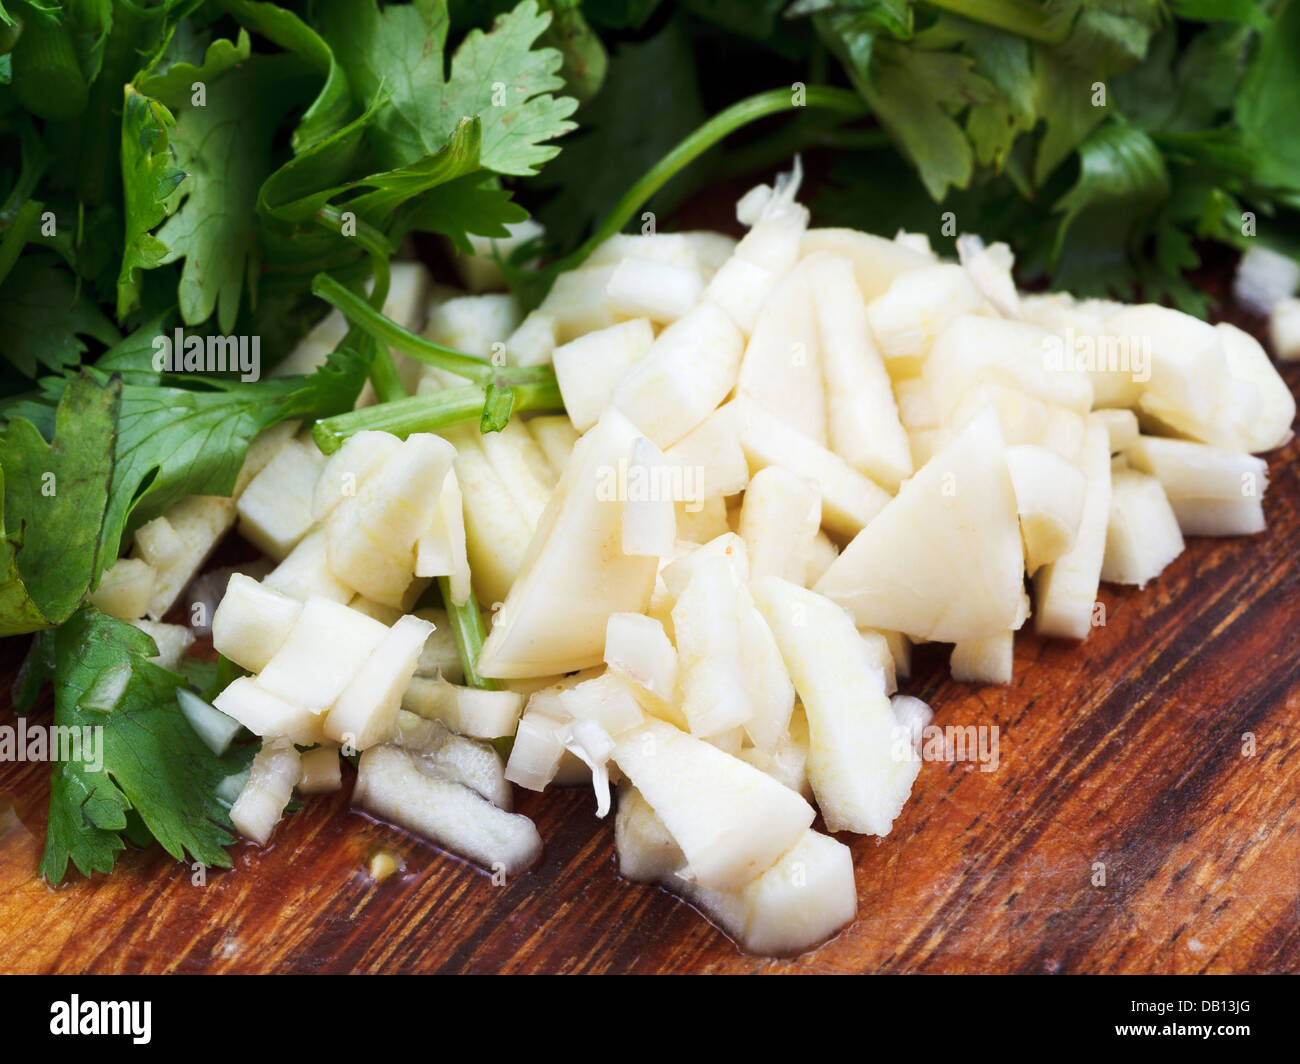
(774, 101)
(1015, 16)
(534, 388)
(467, 627)
(99, 177)
(390, 334)
(813, 130)
(383, 371)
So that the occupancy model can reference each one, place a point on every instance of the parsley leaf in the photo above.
(174, 442)
(332, 108)
(475, 203)
(49, 552)
(152, 761)
(497, 76)
(225, 149)
(149, 177)
(43, 317)
(1268, 105)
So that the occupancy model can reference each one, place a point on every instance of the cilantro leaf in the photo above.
(149, 177)
(916, 92)
(86, 825)
(152, 761)
(916, 95)
(498, 76)
(49, 489)
(1122, 181)
(1268, 104)
(585, 60)
(173, 81)
(43, 317)
(1005, 60)
(475, 204)
(332, 108)
(460, 155)
(174, 442)
(170, 442)
(225, 149)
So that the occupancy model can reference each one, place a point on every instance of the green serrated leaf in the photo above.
(149, 177)
(43, 317)
(585, 59)
(55, 495)
(471, 204)
(1268, 104)
(458, 157)
(915, 95)
(332, 108)
(225, 149)
(498, 76)
(175, 84)
(1004, 59)
(151, 761)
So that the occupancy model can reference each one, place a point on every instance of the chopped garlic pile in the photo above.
(784, 461)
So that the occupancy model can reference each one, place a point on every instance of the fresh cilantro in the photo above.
(585, 60)
(150, 176)
(173, 78)
(399, 51)
(49, 551)
(475, 204)
(1268, 105)
(225, 149)
(168, 442)
(153, 764)
(196, 168)
(43, 317)
(332, 108)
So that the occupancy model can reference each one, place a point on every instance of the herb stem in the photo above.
(390, 334)
(741, 113)
(383, 371)
(466, 623)
(534, 388)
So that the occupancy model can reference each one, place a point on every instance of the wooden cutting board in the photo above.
(1144, 817)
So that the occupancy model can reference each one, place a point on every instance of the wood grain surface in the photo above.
(1131, 750)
